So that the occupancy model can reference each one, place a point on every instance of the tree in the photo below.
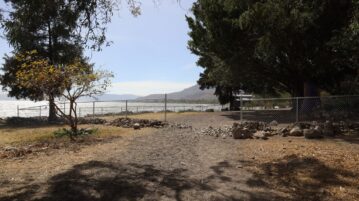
(293, 46)
(58, 30)
(73, 81)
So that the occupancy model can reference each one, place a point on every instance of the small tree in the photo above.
(74, 80)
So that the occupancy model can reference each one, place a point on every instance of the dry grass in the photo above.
(27, 135)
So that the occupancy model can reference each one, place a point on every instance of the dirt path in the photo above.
(174, 164)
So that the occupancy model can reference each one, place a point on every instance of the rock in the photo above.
(241, 133)
(261, 135)
(136, 126)
(303, 125)
(296, 131)
(273, 123)
(328, 129)
(312, 133)
(9, 148)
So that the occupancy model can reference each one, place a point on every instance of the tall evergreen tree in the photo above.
(58, 30)
(291, 45)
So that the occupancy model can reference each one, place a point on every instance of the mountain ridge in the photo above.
(190, 93)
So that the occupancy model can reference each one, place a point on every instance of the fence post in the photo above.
(126, 110)
(165, 107)
(79, 112)
(64, 107)
(240, 108)
(40, 111)
(93, 109)
(297, 110)
(18, 111)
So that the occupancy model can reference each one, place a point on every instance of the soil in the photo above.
(178, 164)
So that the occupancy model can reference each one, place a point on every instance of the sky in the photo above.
(149, 53)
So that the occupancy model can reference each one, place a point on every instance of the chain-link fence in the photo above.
(287, 110)
(123, 107)
(283, 110)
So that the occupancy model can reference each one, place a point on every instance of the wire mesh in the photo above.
(283, 110)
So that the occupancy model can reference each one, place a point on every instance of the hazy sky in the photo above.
(149, 53)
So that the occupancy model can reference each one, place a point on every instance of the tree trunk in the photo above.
(52, 110)
(308, 104)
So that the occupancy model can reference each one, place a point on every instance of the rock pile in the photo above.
(312, 130)
(223, 132)
(89, 120)
(137, 123)
(248, 130)
(261, 130)
(12, 152)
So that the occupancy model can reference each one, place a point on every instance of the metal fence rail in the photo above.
(283, 110)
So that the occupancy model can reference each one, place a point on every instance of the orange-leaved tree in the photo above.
(74, 80)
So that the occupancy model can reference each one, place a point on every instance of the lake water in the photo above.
(30, 108)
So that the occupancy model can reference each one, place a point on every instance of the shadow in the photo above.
(96, 180)
(281, 116)
(300, 178)
(349, 138)
(291, 178)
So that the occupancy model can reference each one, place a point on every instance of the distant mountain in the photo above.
(191, 93)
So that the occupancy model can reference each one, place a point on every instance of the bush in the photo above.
(81, 132)
(209, 110)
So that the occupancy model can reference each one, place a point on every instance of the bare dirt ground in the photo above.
(177, 164)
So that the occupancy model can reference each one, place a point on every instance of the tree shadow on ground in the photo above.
(301, 178)
(281, 116)
(291, 178)
(96, 180)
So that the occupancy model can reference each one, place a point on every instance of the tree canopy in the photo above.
(289, 45)
(58, 30)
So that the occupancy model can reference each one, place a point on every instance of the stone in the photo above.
(312, 133)
(261, 135)
(296, 131)
(273, 123)
(241, 133)
(136, 126)
(328, 129)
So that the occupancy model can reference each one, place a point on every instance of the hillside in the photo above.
(191, 93)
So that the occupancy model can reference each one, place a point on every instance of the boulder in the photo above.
(312, 133)
(241, 133)
(261, 135)
(284, 132)
(328, 129)
(136, 126)
(296, 131)
(273, 123)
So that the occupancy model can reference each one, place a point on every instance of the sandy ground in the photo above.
(174, 164)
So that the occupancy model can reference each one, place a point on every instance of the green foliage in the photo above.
(59, 31)
(275, 46)
(70, 133)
